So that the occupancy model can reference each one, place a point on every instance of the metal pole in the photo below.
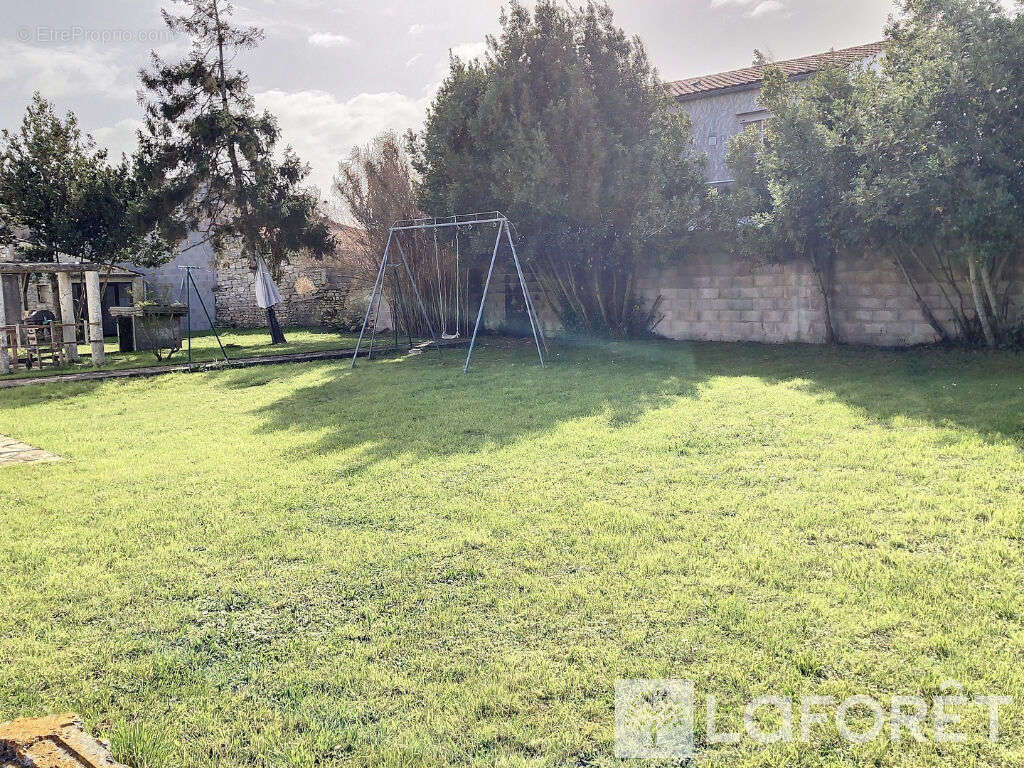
(188, 314)
(540, 331)
(419, 298)
(376, 315)
(400, 298)
(373, 293)
(483, 299)
(188, 271)
(394, 312)
(526, 298)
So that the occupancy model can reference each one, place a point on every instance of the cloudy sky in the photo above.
(337, 72)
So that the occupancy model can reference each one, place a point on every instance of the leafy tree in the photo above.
(567, 129)
(943, 151)
(212, 157)
(59, 195)
(793, 199)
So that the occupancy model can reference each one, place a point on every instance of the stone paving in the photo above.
(15, 452)
(57, 741)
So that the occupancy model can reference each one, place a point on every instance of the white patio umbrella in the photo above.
(267, 294)
(267, 297)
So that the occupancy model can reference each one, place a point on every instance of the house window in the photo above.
(712, 140)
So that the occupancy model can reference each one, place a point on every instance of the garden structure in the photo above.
(54, 342)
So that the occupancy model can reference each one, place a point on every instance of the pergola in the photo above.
(65, 296)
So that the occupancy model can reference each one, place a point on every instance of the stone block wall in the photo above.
(305, 285)
(721, 297)
(718, 297)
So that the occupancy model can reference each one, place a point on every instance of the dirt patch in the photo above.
(57, 741)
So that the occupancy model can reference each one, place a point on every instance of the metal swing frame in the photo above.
(434, 224)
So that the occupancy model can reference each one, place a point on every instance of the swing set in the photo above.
(446, 293)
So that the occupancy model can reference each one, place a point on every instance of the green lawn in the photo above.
(237, 343)
(400, 565)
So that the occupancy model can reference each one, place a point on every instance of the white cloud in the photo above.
(328, 40)
(464, 51)
(323, 129)
(413, 60)
(751, 8)
(58, 72)
(765, 7)
(118, 138)
(421, 29)
(469, 51)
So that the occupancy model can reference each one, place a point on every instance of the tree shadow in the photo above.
(976, 390)
(419, 405)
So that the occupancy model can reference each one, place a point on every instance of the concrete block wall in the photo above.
(721, 297)
(717, 297)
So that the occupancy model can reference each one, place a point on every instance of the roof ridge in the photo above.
(754, 73)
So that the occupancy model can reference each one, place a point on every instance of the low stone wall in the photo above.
(311, 291)
(721, 297)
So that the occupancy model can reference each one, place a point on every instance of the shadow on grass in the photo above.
(422, 405)
(418, 405)
(979, 391)
(428, 407)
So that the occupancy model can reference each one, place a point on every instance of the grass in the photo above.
(238, 342)
(400, 565)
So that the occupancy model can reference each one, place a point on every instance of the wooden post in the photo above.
(138, 290)
(5, 363)
(95, 302)
(67, 316)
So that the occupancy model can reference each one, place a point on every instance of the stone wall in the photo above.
(720, 297)
(725, 298)
(312, 290)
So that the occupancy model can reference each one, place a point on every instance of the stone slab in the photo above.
(16, 452)
(56, 741)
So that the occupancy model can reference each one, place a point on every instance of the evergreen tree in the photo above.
(212, 156)
(567, 129)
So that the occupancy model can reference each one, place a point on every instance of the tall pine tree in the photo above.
(212, 156)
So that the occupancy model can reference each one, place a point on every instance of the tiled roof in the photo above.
(753, 75)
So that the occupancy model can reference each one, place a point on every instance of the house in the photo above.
(313, 291)
(723, 104)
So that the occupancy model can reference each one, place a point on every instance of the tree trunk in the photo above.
(986, 283)
(825, 284)
(276, 334)
(958, 315)
(979, 304)
(925, 309)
